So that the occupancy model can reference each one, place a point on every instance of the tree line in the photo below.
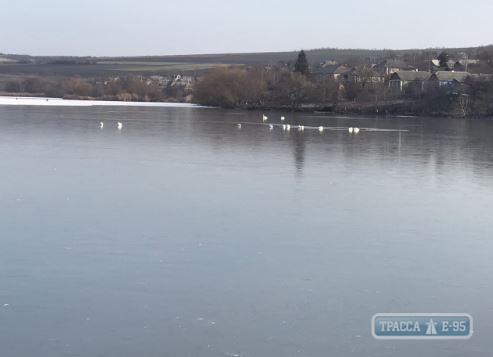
(127, 88)
(258, 87)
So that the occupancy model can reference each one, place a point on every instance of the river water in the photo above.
(184, 235)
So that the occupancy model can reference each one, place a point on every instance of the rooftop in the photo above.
(411, 76)
(451, 75)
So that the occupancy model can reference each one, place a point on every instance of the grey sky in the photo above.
(153, 27)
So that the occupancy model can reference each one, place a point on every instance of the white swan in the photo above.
(356, 130)
(283, 118)
(320, 128)
(101, 124)
(239, 126)
(301, 128)
(284, 127)
(350, 129)
(288, 127)
(119, 125)
(264, 117)
(271, 126)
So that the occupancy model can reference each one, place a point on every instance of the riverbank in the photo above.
(397, 108)
(392, 108)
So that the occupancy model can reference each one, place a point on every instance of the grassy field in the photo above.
(314, 56)
(103, 69)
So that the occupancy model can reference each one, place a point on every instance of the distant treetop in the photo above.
(301, 65)
(443, 58)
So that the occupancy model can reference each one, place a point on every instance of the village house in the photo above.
(160, 80)
(185, 82)
(343, 72)
(371, 73)
(366, 74)
(387, 67)
(402, 80)
(346, 74)
(449, 78)
(335, 71)
(329, 62)
(458, 66)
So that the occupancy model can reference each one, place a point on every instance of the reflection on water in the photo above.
(299, 152)
(183, 235)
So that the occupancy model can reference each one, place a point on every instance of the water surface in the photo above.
(182, 235)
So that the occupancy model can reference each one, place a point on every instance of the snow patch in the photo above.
(52, 102)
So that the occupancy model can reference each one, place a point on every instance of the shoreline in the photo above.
(356, 111)
(403, 110)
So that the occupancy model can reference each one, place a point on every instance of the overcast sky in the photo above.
(161, 27)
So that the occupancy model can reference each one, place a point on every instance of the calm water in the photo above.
(182, 235)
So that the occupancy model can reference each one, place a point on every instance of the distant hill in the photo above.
(145, 65)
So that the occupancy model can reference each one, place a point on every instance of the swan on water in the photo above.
(101, 124)
(119, 125)
(301, 128)
(271, 126)
(350, 129)
(264, 117)
(320, 128)
(284, 127)
(283, 118)
(356, 130)
(288, 127)
(239, 126)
